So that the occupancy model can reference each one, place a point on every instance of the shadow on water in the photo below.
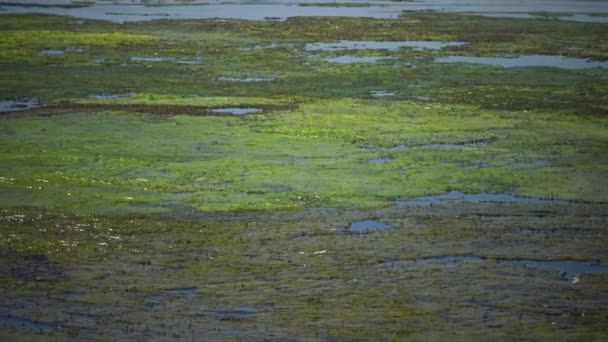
(455, 197)
(527, 61)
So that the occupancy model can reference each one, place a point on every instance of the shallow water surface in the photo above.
(367, 226)
(454, 197)
(376, 45)
(566, 266)
(356, 59)
(236, 110)
(18, 105)
(381, 93)
(527, 61)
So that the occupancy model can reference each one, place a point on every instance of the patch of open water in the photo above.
(565, 266)
(379, 45)
(18, 105)
(381, 93)
(356, 59)
(236, 110)
(139, 10)
(527, 61)
(366, 226)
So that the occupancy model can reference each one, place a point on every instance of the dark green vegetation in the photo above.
(131, 208)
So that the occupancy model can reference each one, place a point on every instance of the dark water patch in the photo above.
(183, 292)
(239, 313)
(381, 93)
(527, 61)
(236, 110)
(356, 59)
(456, 197)
(21, 322)
(31, 268)
(18, 105)
(449, 259)
(380, 160)
(166, 109)
(159, 300)
(366, 226)
(568, 267)
(379, 45)
(244, 80)
(564, 266)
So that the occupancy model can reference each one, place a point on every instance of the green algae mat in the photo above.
(425, 176)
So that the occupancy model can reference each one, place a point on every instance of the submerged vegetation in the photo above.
(222, 179)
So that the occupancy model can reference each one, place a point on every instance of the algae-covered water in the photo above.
(290, 170)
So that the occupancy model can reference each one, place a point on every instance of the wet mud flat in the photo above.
(485, 269)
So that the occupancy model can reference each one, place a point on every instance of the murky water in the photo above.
(455, 197)
(566, 266)
(375, 45)
(527, 61)
(18, 105)
(28, 323)
(236, 110)
(356, 59)
(367, 226)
